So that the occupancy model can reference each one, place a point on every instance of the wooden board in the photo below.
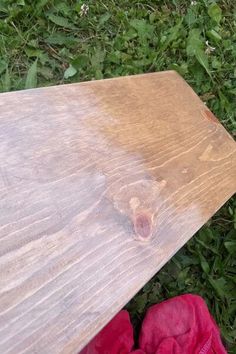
(100, 184)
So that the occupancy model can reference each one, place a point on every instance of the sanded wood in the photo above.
(100, 184)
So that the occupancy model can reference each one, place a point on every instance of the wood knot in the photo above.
(140, 201)
(143, 226)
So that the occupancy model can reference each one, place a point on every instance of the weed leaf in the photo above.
(215, 12)
(70, 71)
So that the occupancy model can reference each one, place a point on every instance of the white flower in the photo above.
(84, 10)
(193, 3)
(209, 49)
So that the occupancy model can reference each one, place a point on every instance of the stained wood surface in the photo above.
(100, 184)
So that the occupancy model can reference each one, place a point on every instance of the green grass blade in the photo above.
(31, 78)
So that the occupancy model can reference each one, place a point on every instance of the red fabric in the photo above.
(115, 338)
(181, 325)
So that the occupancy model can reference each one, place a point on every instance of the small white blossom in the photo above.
(84, 10)
(193, 3)
(209, 48)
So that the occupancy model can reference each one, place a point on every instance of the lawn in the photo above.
(48, 42)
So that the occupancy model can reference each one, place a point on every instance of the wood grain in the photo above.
(100, 184)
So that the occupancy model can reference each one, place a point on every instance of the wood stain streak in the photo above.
(210, 116)
(100, 184)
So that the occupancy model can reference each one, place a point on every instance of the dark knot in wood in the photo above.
(143, 226)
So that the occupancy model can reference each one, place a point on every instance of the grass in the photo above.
(48, 42)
